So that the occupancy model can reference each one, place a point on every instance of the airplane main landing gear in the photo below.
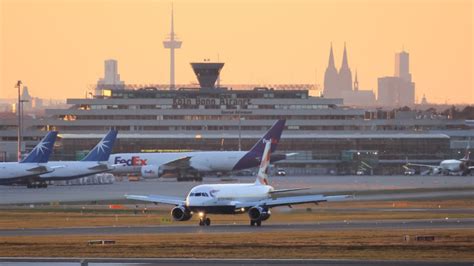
(42, 184)
(204, 221)
(255, 222)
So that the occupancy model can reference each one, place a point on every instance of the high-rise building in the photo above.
(402, 66)
(398, 90)
(111, 80)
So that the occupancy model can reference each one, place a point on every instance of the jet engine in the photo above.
(180, 213)
(151, 171)
(259, 214)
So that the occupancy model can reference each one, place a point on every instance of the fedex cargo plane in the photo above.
(196, 164)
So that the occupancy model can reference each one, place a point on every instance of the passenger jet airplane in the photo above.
(32, 165)
(255, 198)
(451, 166)
(95, 162)
(154, 165)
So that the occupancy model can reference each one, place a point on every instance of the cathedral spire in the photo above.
(345, 64)
(356, 82)
(331, 59)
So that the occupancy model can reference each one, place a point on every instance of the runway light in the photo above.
(242, 209)
(201, 214)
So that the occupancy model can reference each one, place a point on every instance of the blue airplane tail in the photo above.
(273, 135)
(42, 150)
(102, 150)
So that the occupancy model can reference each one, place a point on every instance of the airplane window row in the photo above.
(197, 194)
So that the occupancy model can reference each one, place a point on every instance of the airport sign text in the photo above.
(211, 101)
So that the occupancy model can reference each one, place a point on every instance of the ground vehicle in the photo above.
(281, 172)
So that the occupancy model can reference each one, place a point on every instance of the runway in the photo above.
(377, 186)
(269, 227)
(204, 262)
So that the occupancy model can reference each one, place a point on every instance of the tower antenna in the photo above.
(172, 43)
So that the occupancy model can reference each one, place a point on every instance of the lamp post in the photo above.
(18, 110)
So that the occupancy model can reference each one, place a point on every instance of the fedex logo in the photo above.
(134, 161)
(272, 141)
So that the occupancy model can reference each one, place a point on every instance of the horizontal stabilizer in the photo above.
(39, 169)
(100, 167)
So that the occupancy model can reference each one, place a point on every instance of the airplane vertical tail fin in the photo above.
(262, 176)
(467, 153)
(42, 150)
(102, 150)
(273, 134)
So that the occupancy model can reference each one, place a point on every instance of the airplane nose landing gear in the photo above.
(203, 220)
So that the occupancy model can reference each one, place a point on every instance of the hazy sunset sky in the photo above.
(57, 47)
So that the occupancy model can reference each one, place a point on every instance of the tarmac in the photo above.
(270, 227)
(369, 188)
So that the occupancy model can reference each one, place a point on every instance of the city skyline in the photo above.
(256, 40)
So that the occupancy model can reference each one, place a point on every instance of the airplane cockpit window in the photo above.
(205, 194)
(191, 194)
(197, 194)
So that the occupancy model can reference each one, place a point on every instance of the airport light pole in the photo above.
(18, 110)
(240, 128)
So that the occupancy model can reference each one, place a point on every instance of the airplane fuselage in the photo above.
(221, 198)
(65, 170)
(14, 171)
(203, 161)
(451, 165)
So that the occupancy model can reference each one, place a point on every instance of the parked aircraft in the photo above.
(35, 163)
(451, 166)
(196, 164)
(95, 162)
(254, 198)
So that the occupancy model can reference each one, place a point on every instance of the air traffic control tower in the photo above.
(207, 73)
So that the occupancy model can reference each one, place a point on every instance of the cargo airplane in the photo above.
(34, 164)
(155, 165)
(254, 198)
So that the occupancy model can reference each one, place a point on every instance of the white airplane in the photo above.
(32, 165)
(255, 198)
(95, 162)
(155, 165)
(451, 166)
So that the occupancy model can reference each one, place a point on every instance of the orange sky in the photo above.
(57, 47)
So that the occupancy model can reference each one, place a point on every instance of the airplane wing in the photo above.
(287, 190)
(182, 162)
(423, 165)
(158, 199)
(292, 201)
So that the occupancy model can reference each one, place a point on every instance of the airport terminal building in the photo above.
(327, 136)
